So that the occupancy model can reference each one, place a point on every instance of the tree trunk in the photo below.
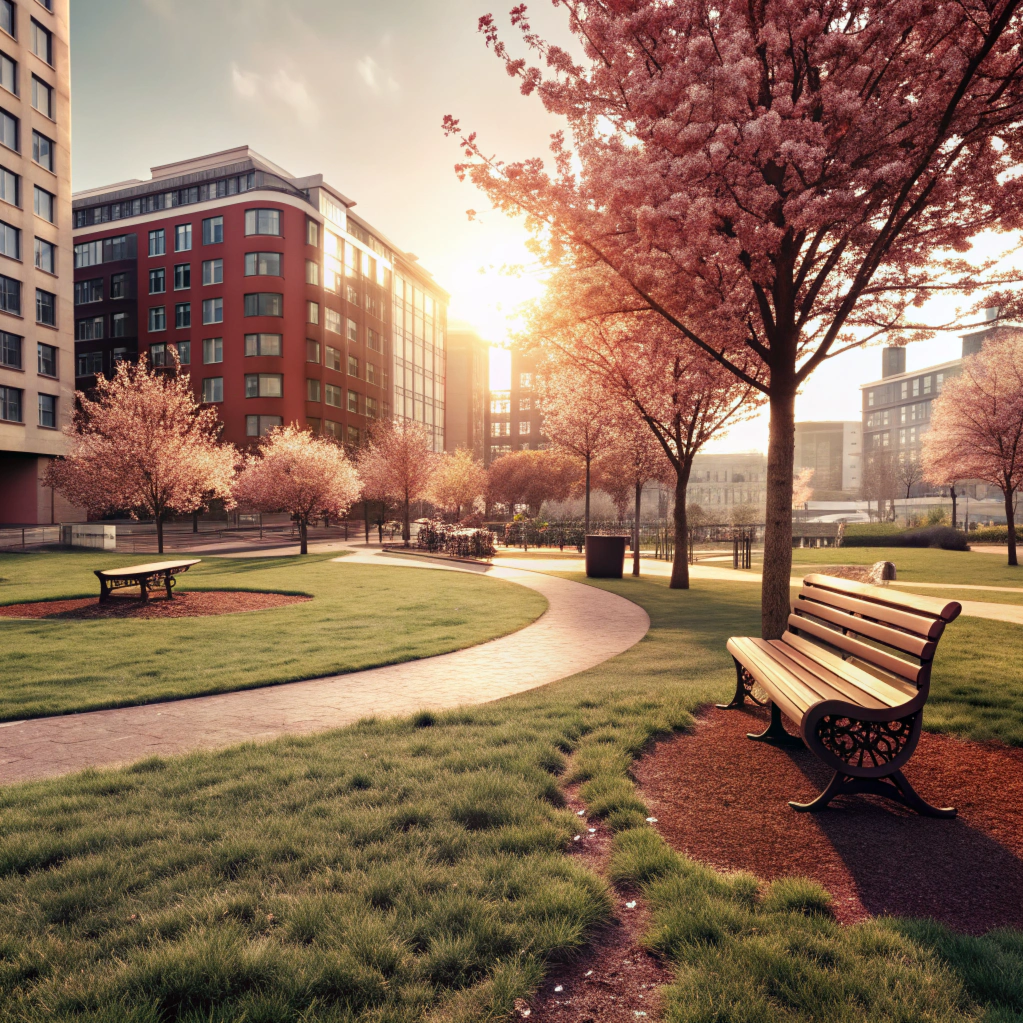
(195, 522)
(775, 597)
(680, 564)
(586, 520)
(952, 492)
(406, 527)
(1010, 523)
(365, 519)
(635, 531)
(159, 534)
(303, 536)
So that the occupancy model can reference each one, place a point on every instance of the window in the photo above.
(352, 294)
(10, 187)
(184, 352)
(523, 427)
(262, 264)
(927, 385)
(157, 242)
(260, 426)
(870, 399)
(353, 436)
(46, 307)
(264, 385)
(8, 74)
(213, 271)
(45, 204)
(312, 233)
(333, 358)
(371, 408)
(41, 42)
(10, 350)
(312, 351)
(312, 312)
(333, 320)
(157, 281)
(500, 406)
(353, 366)
(182, 276)
(332, 429)
(90, 363)
(262, 344)
(916, 388)
(120, 355)
(48, 411)
(264, 303)
(371, 374)
(213, 310)
(7, 16)
(353, 332)
(525, 404)
(183, 315)
(89, 329)
(8, 130)
(212, 350)
(332, 395)
(10, 241)
(525, 381)
(312, 390)
(939, 382)
(182, 237)
(119, 325)
(263, 222)
(500, 429)
(158, 355)
(45, 254)
(373, 340)
(42, 98)
(119, 286)
(10, 404)
(213, 230)
(312, 272)
(157, 318)
(353, 401)
(42, 150)
(213, 389)
(88, 254)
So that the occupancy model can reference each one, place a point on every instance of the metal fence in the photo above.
(23, 537)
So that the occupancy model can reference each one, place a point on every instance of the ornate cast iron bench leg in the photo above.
(894, 786)
(775, 733)
(144, 587)
(170, 582)
(744, 684)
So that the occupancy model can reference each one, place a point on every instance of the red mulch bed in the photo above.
(186, 604)
(613, 979)
(723, 799)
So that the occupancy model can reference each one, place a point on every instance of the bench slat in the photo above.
(154, 567)
(767, 674)
(947, 610)
(921, 625)
(922, 648)
(801, 691)
(844, 687)
(857, 648)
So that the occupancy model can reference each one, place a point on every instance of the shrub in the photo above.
(992, 534)
(885, 535)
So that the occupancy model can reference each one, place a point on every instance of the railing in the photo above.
(23, 537)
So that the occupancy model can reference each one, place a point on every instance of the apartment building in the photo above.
(467, 382)
(720, 482)
(514, 422)
(36, 316)
(834, 450)
(282, 304)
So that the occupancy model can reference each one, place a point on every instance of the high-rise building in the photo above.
(834, 450)
(467, 383)
(282, 303)
(514, 422)
(36, 316)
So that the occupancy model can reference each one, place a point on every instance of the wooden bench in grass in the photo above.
(111, 579)
(852, 672)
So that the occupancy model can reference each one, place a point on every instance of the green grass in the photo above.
(916, 564)
(414, 870)
(361, 616)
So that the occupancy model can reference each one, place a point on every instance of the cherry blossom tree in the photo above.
(141, 443)
(460, 480)
(780, 181)
(574, 410)
(296, 472)
(977, 426)
(399, 463)
(531, 478)
(802, 488)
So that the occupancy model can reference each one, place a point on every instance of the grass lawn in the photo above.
(412, 870)
(361, 616)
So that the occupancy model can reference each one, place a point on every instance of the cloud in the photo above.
(378, 80)
(281, 86)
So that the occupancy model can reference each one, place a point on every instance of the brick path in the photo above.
(582, 627)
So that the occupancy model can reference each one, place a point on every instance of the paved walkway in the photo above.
(582, 627)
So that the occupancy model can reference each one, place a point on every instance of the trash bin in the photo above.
(605, 556)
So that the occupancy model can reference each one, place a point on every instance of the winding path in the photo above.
(582, 627)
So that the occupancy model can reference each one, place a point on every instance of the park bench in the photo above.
(111, 579)
(852, 671)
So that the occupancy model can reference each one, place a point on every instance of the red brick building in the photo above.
(282, 304)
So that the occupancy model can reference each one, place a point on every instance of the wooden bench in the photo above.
(111, 579)
(852, 672)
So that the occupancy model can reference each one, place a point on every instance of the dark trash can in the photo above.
(605, 556)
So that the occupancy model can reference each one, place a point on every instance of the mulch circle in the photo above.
(722, 799)
(185, 604)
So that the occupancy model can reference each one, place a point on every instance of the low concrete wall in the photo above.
(89, 534)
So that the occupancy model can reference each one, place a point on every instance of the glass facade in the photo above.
(419, 322)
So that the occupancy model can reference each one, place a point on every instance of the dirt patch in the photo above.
(613, 979)
(723, 799)
(185, 604)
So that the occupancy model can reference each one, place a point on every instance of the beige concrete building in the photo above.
(721, 482)
(36, 258)
(468, 385)
(834, 450)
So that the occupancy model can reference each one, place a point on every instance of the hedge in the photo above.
(884, 534)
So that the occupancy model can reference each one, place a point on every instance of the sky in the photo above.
(356, 91)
